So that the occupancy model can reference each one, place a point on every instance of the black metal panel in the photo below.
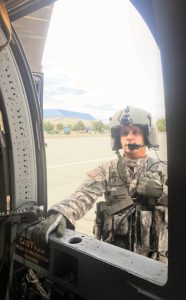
(102, 271)
(94, 269)
(167, 20)
(171, 20)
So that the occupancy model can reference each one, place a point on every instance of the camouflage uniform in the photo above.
(129, 220)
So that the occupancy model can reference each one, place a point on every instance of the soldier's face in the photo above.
(132, 135)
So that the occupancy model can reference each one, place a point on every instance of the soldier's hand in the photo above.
(149, 188)
(40, 232)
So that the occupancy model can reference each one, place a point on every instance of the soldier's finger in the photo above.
(61, 228)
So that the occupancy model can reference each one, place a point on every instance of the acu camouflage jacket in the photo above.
(106, 179)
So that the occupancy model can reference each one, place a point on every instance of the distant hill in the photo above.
(60, 113)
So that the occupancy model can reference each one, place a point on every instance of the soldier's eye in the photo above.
(136, 132)
(124, 132)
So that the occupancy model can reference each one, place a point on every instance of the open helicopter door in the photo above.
(23, 188)
(22, 141)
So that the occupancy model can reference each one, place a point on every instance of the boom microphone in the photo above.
(134, 146)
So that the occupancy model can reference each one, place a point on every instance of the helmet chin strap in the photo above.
(119, 154)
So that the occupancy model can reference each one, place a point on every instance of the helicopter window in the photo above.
(97, 68)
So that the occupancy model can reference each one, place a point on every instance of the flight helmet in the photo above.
(133, 116)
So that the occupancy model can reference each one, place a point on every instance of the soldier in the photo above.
(134, 213)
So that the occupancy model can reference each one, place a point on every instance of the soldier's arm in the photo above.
(77, 204)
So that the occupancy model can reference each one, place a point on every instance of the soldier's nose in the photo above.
(130, 136)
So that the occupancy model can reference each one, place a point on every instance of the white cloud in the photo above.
(104, 48)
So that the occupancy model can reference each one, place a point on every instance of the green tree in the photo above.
(98, 126)
(79, 126)
(106, 127)
(48, 126)
(59, 127)
(161, 125)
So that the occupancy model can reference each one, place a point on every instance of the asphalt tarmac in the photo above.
(68, 161)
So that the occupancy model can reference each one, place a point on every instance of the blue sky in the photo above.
(100, 56)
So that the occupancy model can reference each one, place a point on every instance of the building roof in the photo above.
(56, 113)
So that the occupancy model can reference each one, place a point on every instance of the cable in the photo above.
(157, 162)
(162, 161)
(8, 251)
(13, 242)
(130, 211)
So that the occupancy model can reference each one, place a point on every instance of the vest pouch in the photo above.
(107, 223)
(160, 228)
(145, 225)
(120, 224)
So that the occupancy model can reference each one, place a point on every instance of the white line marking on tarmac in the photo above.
(78, 163)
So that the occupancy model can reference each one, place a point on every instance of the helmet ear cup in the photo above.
(153, 137)
(115, 138)
(145, 135)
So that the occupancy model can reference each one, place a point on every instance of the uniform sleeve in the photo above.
(77, 204)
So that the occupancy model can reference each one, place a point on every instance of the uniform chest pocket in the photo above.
(116, 185)
(118, 191)
(115, 181)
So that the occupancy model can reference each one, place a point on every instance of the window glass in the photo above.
(99, 57)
